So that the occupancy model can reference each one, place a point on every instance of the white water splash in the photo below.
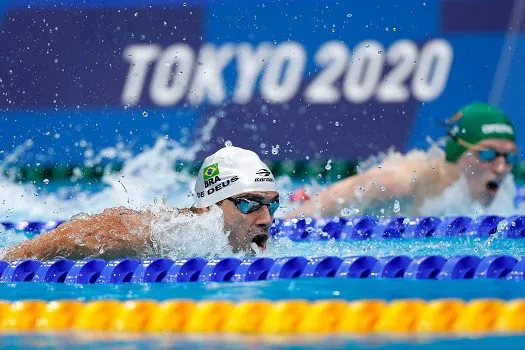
(144, 179)
(456, 200)
(181, 235)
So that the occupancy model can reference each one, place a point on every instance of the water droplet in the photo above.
(46, 181)
(397, 207)
(275, 150)
(502, 225)
(348, 15)
(349, 211)
(274, 121)
(145, 114)
(382, 188)
(136, 14)
(328, 165)
(228, 143)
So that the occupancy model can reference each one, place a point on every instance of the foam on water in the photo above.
(456, 200)
(177, 234)
(144, 179)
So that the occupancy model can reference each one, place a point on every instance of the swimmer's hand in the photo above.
(116, 232)
(300, 196)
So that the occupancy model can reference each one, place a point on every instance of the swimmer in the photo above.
(234, 179)
(480, 150)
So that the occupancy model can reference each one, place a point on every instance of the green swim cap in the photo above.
(474, 123)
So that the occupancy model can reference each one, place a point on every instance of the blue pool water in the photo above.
(303, 288)
(111, 341)
(87, 340)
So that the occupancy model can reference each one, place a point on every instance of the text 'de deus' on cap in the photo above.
(231, 171)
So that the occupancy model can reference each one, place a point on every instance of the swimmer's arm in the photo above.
(114, 233)
(374, 184)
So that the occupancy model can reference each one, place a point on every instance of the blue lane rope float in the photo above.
(361, 227)
(369, 227)
(89, 271)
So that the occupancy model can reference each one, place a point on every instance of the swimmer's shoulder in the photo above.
(116, 219)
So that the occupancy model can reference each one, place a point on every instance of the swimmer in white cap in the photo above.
(233, 178)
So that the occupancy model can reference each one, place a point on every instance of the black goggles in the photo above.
(247, 206)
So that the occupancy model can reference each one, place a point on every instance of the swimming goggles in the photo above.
(488, 155)
(247, 206)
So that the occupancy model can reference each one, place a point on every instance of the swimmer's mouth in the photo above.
(260, 241)
(492, 186)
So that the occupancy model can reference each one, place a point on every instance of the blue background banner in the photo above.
(306, 79)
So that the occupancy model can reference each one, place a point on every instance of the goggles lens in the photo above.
(247, 206)
(488, 155)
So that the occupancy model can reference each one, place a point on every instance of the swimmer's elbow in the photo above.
(43, 247)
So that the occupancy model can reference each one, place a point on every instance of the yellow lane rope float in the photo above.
(404, 316)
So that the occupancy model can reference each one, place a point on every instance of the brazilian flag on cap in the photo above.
(210, 171)
(474, 123)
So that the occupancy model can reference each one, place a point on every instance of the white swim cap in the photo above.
(231, 171)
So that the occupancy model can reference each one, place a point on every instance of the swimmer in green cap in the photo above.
(480, 152)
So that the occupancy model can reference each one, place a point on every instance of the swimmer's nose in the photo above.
(500, 166)
(264, 219)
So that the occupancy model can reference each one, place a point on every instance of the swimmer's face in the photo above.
(253, 227)
(485, 177)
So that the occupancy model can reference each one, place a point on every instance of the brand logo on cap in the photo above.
(210, 171)
(497, 129)
(263, 172)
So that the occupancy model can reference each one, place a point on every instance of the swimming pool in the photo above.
(410, 252)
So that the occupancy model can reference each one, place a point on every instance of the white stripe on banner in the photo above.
(507, 51)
